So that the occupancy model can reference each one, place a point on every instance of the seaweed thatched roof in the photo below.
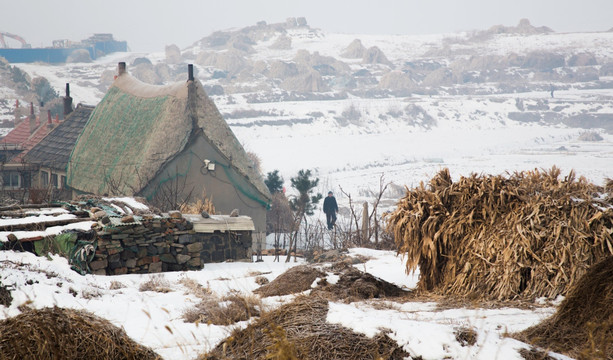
(137, 128)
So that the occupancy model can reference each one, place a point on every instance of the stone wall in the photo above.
(155, 245)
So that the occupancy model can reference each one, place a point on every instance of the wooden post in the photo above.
(365, 223)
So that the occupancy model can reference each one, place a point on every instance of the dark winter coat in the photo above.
(330, 205)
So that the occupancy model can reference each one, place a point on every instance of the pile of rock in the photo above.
(157, 244)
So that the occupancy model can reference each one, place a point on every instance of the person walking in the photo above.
(330, 208)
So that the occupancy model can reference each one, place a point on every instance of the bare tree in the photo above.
(173, 194)
(279, 220)
(361, 235)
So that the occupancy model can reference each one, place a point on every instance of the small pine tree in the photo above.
(303, 204)
(274, 182)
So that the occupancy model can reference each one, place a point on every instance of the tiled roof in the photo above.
(30, 142)
(19, 134)
(54, 150)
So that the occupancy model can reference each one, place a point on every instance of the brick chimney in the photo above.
(190, 72)
(49, 120)
(121, 68)
(17, 113)
(67, 101)
(32, 119)
(192, 95)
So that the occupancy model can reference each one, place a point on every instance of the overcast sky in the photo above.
(149, 25)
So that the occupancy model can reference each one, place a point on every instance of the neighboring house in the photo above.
(51, 154)
(16, 173)
(168, 144)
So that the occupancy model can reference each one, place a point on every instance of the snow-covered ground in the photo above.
(406, 140)
(155, 318)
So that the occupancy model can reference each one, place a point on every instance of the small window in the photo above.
(44, 178)
(54, 180)
(63, 181)
(26, 180)
(10, 179)
(6, 179)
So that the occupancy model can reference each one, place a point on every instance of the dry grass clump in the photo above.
(116, 285)
(261, 280)
(5, 296)
(55, 333)
(200, 205)
(583, 325)
(195, 288)
(535, 354)
(294, 280)
(608, 186)
(157, 283)
(590, 136)
(298, 330)
(466, 336)
(226, 311)
(527, 235)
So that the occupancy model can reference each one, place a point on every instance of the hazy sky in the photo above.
(149, 25)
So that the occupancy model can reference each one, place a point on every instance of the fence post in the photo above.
(365, 224)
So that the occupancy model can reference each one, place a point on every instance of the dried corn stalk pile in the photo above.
(525, 235)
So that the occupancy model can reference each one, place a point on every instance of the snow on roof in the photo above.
(35, 219)
(130, 201)
(53, 230)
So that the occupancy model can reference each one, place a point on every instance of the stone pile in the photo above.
(158, 244)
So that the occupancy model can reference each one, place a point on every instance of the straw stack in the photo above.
(524, 235)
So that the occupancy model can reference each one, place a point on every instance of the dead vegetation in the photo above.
(201, 204)
(294, 280)
(590, 136)
(225, 311)
(261, 280)
(356, 285)
(535, 354)
(583, 325)
(466, 336)
(299, 330)
(116, 285)
(195, 288)
(5, 296)
(56, 333)
(157, 283)
(527, 235)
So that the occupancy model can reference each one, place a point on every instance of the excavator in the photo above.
(24, 44)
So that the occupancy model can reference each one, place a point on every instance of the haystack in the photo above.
(354, 284)
(583, 325)
(529, 234)
(295, 280)
(299, 331)
(55, 333)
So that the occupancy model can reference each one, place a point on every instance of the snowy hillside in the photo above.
(354, 107)
(152, 308)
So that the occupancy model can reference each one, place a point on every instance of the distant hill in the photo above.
(280, 81)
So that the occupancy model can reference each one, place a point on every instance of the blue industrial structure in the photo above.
(97, 46)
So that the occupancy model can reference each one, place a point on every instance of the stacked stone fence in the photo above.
(154, 245)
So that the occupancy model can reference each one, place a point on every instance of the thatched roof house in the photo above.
(169, 144)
